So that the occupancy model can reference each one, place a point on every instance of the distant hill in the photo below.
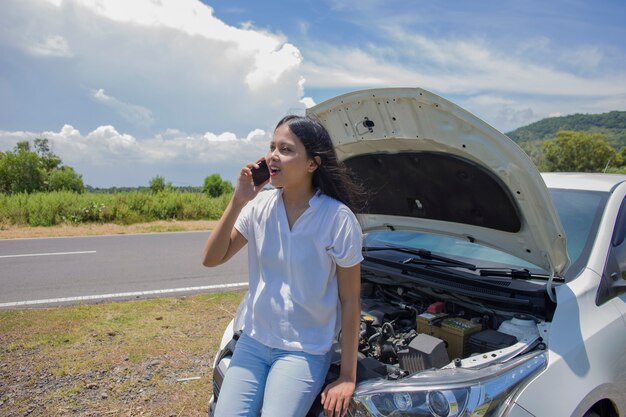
(611, 124)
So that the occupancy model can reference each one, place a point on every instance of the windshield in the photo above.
(580, 213)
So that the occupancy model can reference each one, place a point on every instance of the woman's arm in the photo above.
(225, 241)
(336, 396)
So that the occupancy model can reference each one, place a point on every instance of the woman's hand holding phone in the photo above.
(251, 180)
(225, 240)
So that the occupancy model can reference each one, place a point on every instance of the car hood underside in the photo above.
(430, 166)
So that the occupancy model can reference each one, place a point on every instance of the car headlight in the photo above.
(451, 392)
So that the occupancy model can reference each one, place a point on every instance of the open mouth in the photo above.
(274, 170)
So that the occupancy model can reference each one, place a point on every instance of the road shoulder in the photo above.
(67, 230)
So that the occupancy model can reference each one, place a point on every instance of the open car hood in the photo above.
(430, 166)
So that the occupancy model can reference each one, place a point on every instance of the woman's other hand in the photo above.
(336, 397)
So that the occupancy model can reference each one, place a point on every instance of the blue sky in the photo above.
(127, 90)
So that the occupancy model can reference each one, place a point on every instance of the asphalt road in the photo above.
(40, 272)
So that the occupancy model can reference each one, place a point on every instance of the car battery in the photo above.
(429, 323)
(456, 332)
(489, 340)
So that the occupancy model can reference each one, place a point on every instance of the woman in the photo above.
(304, 259)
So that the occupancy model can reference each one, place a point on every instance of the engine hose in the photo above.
(372, 337)
(388, 326)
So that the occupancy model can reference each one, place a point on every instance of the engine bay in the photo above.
(404, 331)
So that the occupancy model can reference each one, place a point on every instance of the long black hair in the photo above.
(331, 176)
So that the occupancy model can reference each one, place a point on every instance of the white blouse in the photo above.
(293, 298)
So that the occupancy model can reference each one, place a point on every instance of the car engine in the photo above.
(403, 332)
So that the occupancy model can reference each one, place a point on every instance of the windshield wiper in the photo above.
(426, 257)
(510, 273)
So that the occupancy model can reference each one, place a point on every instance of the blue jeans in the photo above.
(279, 382)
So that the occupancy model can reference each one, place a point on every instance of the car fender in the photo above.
(233, 326)
(605, 391)
(226, 337)
(578, 348)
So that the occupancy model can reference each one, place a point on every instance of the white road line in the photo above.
(48, 254)
(121, 295)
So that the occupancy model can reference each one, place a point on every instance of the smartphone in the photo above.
(262, 174)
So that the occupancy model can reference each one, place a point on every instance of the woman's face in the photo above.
(288, 161)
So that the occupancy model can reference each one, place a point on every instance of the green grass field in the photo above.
(54, 208)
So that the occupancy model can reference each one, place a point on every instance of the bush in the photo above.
(579, 152)
(157, 184)
(24, 170)
(65, 179)
(21, 171)
(214, 186)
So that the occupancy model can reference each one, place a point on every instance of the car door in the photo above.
(605, 340)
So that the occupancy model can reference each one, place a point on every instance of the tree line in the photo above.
(28, 169)
(214, 185)
(611, 124)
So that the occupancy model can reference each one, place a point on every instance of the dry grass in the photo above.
(118, 359)
(23, 232)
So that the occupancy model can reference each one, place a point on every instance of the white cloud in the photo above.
(271, 55)
(117, 145)
(51, 46)
(308, 102)
(137, 115)
(453, 66)
(507, 114)
(162, 64)
(587, 58)
(271, 65)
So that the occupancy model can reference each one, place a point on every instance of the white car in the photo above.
(487, 288)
